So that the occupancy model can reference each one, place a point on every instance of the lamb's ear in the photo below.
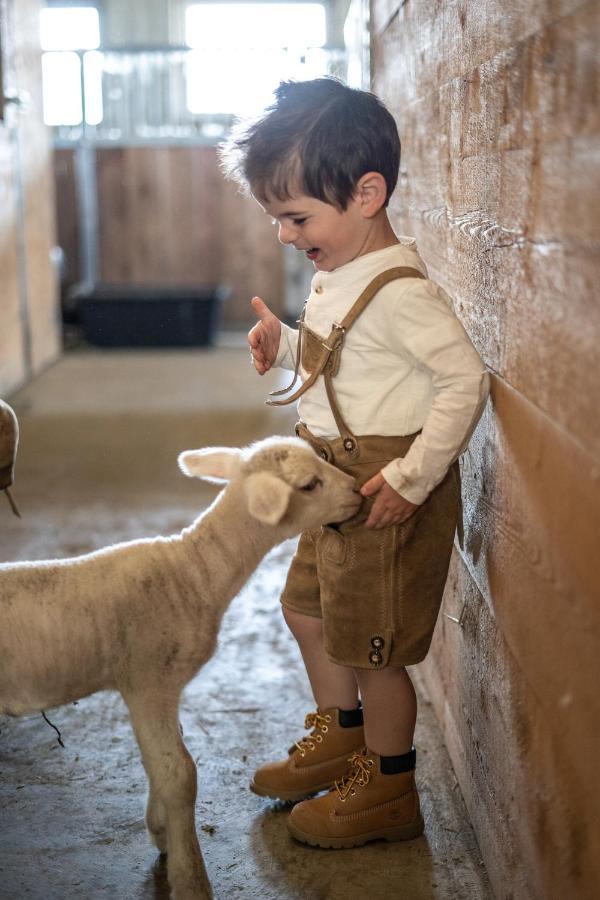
(268, 497)
(212, 463)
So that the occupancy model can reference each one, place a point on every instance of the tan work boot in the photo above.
(314, 762)
(363, 806)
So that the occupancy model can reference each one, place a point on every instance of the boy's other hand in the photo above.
(390, 507)
(264, 337)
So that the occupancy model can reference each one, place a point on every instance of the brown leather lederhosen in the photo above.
(377, 590)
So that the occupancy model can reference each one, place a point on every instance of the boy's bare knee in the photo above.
(375, 677)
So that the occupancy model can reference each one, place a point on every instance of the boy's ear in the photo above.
(371, 193)
(268, 497)
(212, 464)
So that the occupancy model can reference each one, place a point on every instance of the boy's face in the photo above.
(329, 237)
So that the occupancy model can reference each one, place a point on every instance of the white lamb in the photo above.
(142, 617)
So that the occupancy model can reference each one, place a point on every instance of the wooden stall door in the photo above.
(12, 362)
(29, 308)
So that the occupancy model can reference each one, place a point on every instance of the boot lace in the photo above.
(358, 775)
(320, 725)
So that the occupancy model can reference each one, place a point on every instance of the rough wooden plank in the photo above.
(535, 815)
(513, 684)
(30, 321)
(168, 217)
(39, 231)
(12, 371)
(113, 189)
(533, 510)
(498, 110)
(40, 237)
(65, 192)
(197, 211)
(435, 43)
(253, 264)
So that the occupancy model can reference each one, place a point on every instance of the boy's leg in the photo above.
(389, 709)
(332, 685)
(377, 797)
(315, 761)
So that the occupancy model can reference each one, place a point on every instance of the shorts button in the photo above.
(378, 643)
(375, 658)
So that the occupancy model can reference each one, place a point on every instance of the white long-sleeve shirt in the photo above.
(407, 365)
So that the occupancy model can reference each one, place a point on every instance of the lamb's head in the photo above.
(283, 481)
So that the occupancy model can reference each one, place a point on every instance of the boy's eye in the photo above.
(298, 221)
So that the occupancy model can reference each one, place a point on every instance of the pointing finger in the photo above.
(260, 308)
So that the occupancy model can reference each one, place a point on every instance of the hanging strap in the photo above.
(330, 350)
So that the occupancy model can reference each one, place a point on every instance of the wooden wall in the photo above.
(29, 313)
(166, 216)
(497, 104)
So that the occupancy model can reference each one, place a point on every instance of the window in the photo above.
(235, 55)
(241, 51)
(70, 37)
(69, 28)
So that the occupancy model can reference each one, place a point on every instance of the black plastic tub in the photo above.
(140, 316)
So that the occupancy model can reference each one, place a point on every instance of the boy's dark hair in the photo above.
(318, 137)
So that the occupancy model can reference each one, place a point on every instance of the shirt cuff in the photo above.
(286, 352)
(414, 493)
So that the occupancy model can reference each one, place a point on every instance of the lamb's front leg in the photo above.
(172, 776)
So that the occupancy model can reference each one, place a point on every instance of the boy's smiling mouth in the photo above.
(312, 253)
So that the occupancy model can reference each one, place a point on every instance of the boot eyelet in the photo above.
(319, 738)
(324, 729)
(370, 762)
(328, 718)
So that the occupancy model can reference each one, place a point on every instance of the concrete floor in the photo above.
(100, 432)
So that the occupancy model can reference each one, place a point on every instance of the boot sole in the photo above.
(398, 833)
(287, 796)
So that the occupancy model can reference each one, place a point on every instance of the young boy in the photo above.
(391, 391)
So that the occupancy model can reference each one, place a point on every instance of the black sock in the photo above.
(350, 718)
(393, 765)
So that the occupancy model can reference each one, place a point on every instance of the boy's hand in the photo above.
(390, 507)
(264, 337)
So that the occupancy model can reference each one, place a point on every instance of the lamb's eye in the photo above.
(312, 484)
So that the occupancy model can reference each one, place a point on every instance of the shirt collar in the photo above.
(366, 267)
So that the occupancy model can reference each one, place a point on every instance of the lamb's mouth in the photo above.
(348, 513)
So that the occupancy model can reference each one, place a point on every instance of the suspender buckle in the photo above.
(338, 337)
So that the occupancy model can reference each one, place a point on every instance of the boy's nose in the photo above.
(287, 234)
